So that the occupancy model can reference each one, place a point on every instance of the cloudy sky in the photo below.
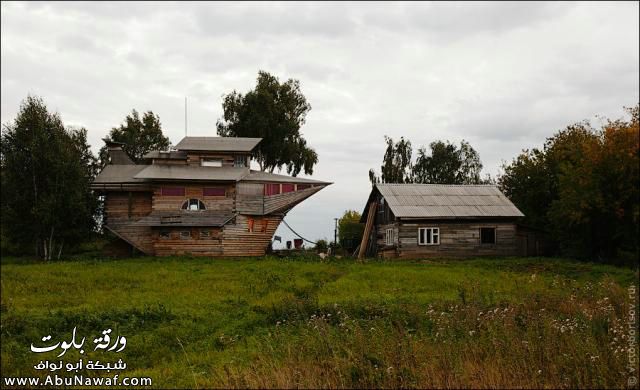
(502, 76)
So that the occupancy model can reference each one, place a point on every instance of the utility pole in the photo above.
(335, 234)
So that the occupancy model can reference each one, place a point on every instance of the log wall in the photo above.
(457, 239)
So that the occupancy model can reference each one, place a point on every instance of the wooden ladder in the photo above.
(367, 229)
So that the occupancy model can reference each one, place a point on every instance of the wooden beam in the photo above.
(367, 229)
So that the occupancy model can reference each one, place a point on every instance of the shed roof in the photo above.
(446, 201)
(114, 173)
(218, 144)
(189, 172)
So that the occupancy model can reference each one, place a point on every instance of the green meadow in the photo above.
(273, 322)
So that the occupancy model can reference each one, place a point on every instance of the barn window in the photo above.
(389, 237)
(165, 235)
(172, 191)
(204, 234)
(211, 162)
(240, 161)
(488, 235)
(193, 205)
(214, 191)
(185, 235)
(303, 186)
(429, 236)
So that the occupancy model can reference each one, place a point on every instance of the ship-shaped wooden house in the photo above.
(200, 199)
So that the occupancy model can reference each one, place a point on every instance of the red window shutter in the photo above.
(265, 223)
(250, 223)
(288, 188)
(214, 191)
(271, 189)
(172, 191)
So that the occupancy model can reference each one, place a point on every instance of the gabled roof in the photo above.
(190, 172)
(260, 176)
(445, 201)
(218, 144)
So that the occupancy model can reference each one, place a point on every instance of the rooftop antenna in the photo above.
(185, 116)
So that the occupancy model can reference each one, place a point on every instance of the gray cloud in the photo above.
(503, 76)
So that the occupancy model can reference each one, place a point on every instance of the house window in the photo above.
(271, 189)
(193, 205)
(165, 235)
(172, 191)
(429, 236)
(185, 235)
(211, 162)
(240, 161)
(487, 235)
(214, 191)
(303, 186)
(389, 237)
(288, 188)
(205, 234)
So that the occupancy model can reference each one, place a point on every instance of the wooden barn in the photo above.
(200, 199)
(432, 220)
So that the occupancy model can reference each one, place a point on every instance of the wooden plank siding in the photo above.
(457, 239)
(237, 240)
(195, 245)
(173, 203)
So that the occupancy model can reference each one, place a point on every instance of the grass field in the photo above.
(205, 323)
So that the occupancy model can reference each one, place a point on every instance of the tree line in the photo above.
(442, 163)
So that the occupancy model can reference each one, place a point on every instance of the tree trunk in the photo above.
(60, 250)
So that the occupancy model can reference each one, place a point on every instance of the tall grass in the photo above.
(280, 323)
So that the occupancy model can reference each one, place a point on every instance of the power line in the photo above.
(294, 232)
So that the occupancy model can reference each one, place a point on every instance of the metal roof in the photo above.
(447, 201)
(218, 144)
(185, 218)
(260, 176)
(113, 173)
(189, 172)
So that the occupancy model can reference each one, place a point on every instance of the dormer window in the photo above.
(211, 162)
(240, 161)
(193, 205)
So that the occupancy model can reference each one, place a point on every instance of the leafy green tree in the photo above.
(47, 204)
(350, 229)
(396, 163)
(583, 188)
(140, 136)
(322, 246)
(275, 112)
(447, 164)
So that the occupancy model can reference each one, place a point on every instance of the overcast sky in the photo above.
(503, 76)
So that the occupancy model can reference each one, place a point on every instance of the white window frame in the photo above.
(433, 238)
(211, 162)
(388, 239)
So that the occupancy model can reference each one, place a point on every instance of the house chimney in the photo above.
(117, 155)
